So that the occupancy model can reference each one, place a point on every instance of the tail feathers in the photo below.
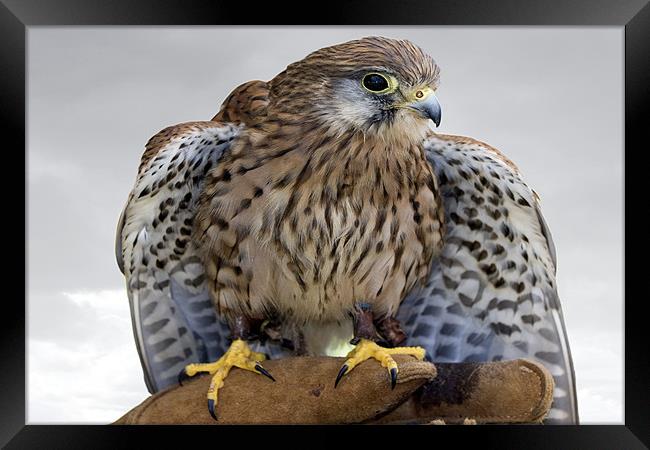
(161, 336)
(470, 344)
(451, 334)
(209, 331)
(172, 328)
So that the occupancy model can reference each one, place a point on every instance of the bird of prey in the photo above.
(309, 208)
(322, 205)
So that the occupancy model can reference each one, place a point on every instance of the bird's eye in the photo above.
(376, 83)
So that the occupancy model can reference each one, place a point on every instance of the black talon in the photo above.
(211, 409)
(342, 372)
(183, 376)
(393, 377)
(264, 372)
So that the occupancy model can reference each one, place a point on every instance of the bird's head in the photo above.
(374, 85)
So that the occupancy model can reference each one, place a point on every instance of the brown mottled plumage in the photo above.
(315, 208)
(307, 200)
(245, 105)
(305, 209)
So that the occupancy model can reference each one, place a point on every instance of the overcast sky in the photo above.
(551, 98)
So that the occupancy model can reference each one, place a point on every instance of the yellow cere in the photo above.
(422, 93)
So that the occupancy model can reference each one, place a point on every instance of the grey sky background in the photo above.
(550, 98)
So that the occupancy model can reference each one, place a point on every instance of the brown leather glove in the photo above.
(518, 391)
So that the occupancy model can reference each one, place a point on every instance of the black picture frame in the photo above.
(17, 15)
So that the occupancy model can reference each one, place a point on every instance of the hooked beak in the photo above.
(428, 106)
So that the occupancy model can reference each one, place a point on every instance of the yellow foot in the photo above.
(238, 355)
(367, 349)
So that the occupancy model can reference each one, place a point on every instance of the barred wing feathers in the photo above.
(492, 293)
(174, 321)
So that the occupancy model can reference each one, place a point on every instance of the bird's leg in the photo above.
(362, 319)
(389, 328)
(365, 335)
(238, 355)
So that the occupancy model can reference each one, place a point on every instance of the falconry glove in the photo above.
(518, 391)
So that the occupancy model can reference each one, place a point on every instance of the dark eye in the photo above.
(375, 82)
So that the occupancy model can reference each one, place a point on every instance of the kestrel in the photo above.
(308, 209)
(322, 207)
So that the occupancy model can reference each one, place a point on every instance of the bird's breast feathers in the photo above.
(344, 221)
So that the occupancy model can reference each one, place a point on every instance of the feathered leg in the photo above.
(365, 335)
(389, 328)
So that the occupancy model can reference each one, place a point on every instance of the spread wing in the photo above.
(492, 293)
(174, 322)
